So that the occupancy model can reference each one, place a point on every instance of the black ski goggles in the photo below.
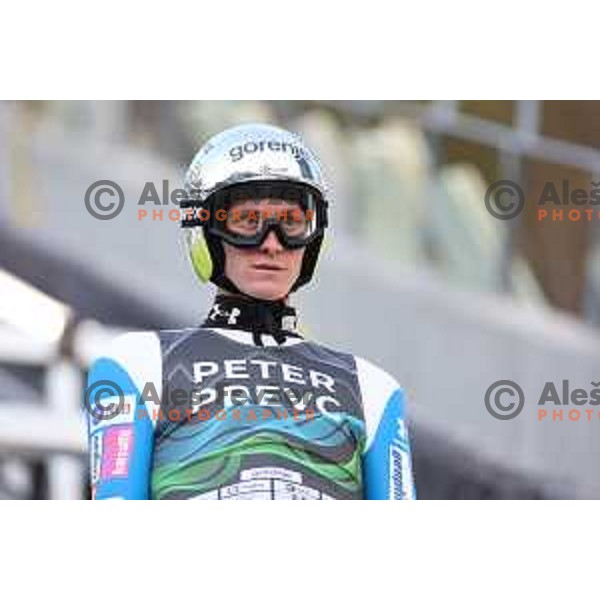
(243, 214)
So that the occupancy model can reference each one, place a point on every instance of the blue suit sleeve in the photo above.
(387, 463)
(120, 421)
(386, 460)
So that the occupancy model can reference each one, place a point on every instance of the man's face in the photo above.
(267, 272)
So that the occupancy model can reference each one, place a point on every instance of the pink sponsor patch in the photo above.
(118, 442)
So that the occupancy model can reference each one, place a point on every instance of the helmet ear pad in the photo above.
(217, 253)
(201, 258)
(208, 260)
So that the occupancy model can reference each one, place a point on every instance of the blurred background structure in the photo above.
(417, 275)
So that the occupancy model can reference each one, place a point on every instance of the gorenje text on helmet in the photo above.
(237, 152)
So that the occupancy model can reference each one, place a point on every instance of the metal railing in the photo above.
(54, 431)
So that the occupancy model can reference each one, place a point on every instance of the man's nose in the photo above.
(271, 245)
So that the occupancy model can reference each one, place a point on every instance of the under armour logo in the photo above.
(231, 316)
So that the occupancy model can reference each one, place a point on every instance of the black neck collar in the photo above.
(258, 316)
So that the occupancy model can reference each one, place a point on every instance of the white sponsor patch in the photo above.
(254, 490)
(264, 489)
(285, 490)
(271, 473)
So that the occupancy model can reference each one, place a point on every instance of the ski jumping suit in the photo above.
(244, 407)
